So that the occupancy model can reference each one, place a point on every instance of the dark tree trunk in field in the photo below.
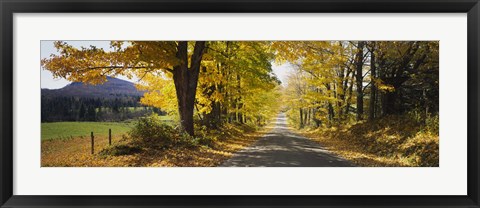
(373, 93)
(301, 117)
(317, 121)
(212, 119)
(240, 116)
(350, 94)
(186, 80)
(331, 113)
(305, 117)
(239, 100)
(308, 116)
(314, 111)
(359, 79)
(217, 113)
(345, 95)
(389, 100)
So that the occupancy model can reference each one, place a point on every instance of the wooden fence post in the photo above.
(109, 136)
(93, 142)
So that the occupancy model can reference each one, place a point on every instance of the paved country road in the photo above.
(283, 148)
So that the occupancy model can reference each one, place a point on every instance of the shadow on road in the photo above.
(283, 148)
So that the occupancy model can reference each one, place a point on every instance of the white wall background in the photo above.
(449, 178)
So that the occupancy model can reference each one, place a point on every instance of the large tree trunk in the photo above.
(359, 79)
(186, 80)
(389, 100)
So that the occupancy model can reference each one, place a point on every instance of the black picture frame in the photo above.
(9, 7)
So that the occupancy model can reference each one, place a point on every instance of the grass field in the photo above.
(67, 130)
(63, 130)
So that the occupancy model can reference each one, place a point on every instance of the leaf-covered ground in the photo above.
(389, 142)
(75, 152)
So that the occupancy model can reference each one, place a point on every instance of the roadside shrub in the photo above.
(205, 136)
(151, 131)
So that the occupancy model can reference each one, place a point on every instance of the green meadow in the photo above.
(65, 130)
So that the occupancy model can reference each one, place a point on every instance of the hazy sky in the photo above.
(47, 48)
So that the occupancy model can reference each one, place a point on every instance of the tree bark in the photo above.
(301, 117)
(308, 116)
(389, 100)
(331, 113)
(185, 79)
(350, 94)
(317, 121)
(239, 100)
(373, 93)
(359, 79)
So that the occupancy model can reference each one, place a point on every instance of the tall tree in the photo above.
(93, 65)
(359, 78)
(373, 86)
(185, 77)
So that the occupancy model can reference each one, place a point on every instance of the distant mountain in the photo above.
(112, 88)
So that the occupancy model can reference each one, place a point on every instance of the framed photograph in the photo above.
(265, 103)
